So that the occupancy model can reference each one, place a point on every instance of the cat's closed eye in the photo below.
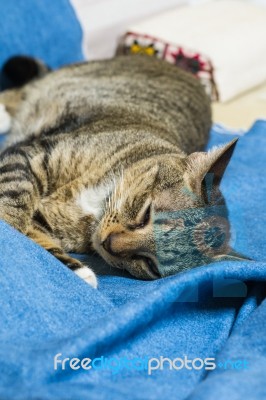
(144, 219)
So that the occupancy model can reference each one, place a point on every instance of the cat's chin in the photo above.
(134, 266)
(142, 274)
(121, 263)
(138, 271)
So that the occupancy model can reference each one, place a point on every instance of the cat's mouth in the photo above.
(149, 265)
(139, 263)
(140, 266)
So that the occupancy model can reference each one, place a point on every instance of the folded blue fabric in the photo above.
(216, 311)
(49, 32)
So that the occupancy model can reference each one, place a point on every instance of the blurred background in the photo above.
(223, 42)
(230, 33)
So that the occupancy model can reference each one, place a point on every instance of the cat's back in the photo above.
(126, 89)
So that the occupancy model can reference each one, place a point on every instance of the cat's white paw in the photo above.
(88, 275)
(5, 120)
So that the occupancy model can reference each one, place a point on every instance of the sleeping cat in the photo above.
(97, 151)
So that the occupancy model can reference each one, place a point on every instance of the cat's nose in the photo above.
(106, 243)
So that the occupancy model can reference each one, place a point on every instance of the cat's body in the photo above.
(95, 149)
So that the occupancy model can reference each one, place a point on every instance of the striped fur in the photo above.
(93, 148)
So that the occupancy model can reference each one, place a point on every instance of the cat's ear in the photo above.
(204, 170)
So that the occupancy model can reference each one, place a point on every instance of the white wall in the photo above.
(104, 21)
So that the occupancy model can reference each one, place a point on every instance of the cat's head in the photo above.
(167, 214)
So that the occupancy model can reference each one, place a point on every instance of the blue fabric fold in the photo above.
(215, 311)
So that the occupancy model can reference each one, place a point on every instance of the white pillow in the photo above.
(229, 35)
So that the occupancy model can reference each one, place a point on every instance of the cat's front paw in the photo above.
(87, 275)
(5, 120)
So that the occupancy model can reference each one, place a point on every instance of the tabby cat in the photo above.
(95, 151)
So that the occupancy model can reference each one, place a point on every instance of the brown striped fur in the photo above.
(94, 149)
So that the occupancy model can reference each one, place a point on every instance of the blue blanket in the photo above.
(34, 28)
(208, 323)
